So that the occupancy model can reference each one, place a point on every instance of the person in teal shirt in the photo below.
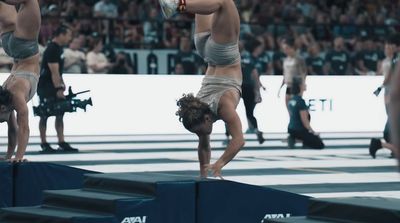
(299, 127)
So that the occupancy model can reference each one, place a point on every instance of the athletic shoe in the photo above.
(168, 8)
(65, 147)
(250, 130)
(374, 146)
(260, 137)
(291, 142)
(46, 148)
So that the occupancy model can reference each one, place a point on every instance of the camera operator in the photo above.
(51, 86)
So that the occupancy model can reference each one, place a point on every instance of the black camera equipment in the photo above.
(54, 107)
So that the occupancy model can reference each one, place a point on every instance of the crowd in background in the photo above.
(322, 29)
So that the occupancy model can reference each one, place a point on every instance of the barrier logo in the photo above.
(134, 219)
(275, 216)
(321, 104)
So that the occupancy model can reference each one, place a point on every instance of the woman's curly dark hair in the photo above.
(5, 97)
(191, 111)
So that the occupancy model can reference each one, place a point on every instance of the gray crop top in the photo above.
(18, 48)
(215, 53)
(32, 78)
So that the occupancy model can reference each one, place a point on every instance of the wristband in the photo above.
(181, 6)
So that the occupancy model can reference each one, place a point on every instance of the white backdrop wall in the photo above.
(145, 104)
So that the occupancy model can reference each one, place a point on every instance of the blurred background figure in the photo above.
(121, 65)
(96, 60)
(294, 66)
(387, 69)
(187, 57)
(315, 62)
(251, 84)
(368, 58)
(74, 58)
(338, 61)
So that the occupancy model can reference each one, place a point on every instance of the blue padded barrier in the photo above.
(227, 201)
(31, 178)
(6, 184)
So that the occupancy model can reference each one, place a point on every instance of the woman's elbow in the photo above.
(240, 142)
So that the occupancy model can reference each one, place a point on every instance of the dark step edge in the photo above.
(341, 211)
(135, 195)
(19, 214)
(118, 185)
(96, 205)
(301, 219)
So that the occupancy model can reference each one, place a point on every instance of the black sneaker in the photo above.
(65, 147)
(291, 142)
(260, 137)
(374, 145)
(46, 148)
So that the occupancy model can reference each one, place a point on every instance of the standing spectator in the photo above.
(315, 63)
(386, 69)
(251, 85)
(51, 87)
(75, 60)
(97, 62)
(293, 66)
(338, 60)
(179, 69)
(277, 61)
(105, 8)
(152, 28)
(121, 65)
(367, 60)
(264, 62)
(187, 57)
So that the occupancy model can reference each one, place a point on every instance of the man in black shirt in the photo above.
(315, 63)
(187, 57)
(367, 60)
(51, 86)
(338, 60)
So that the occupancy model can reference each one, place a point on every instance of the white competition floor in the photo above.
(343, 169)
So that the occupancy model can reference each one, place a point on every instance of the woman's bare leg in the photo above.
(394, 110)
(226, 20)
(203, 23)
(8, 17)
(391, 147)
(28, 19)
(204, 7)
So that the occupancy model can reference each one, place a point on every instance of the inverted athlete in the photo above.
(217, 27)
(19, 36)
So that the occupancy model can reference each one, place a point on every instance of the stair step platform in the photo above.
(43, 214)
(174, 195)
(356, 209)
(136, 183)
(296, 220)
(94, 200)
